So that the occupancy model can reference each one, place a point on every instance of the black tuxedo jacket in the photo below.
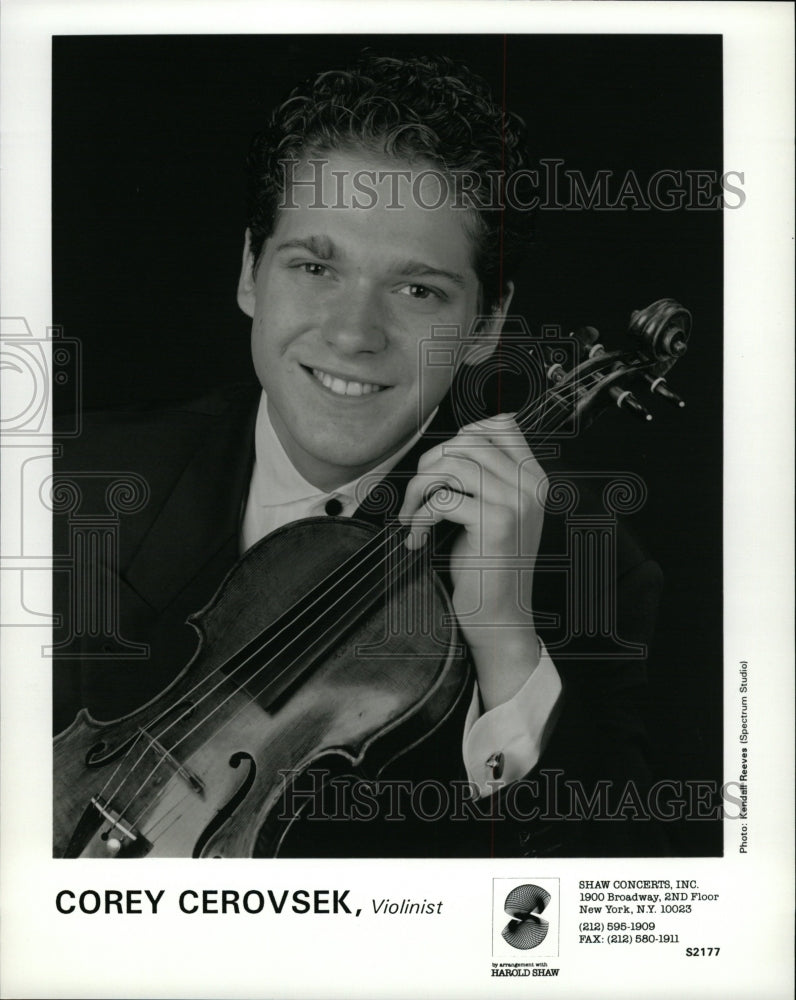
(589, 792)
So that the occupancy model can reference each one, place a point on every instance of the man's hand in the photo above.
(487, 480)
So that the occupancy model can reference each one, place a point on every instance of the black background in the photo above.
(149, 140)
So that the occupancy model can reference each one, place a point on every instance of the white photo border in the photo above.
(44, 954)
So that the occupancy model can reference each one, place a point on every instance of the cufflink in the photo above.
(495, 762)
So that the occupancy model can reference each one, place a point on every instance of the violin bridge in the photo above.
(187, 775)
(114, 820)
(118, 840)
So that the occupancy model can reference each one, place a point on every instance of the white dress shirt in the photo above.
(499, 746)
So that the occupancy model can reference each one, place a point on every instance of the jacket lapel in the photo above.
(197, 528)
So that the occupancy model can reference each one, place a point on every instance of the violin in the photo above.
(310, 650)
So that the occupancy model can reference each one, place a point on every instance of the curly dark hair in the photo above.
(425, 108)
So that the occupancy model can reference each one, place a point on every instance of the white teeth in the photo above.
(342, 388)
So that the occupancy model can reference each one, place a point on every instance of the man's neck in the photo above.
(322, 475)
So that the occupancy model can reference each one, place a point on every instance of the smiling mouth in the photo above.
(343, 387)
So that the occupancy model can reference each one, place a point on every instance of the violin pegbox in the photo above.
(658, 336)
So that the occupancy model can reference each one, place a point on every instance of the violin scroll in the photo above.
(663, 329)
(599, 377)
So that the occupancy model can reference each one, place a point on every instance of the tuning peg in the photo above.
(587, 338)
(659, 386)
(625, 400)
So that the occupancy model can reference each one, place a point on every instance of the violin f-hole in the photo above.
(226, 811)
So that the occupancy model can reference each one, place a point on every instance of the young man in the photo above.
(372, 227)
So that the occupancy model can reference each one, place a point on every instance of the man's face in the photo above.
(341, 300)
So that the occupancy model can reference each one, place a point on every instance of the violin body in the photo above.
(200, 771)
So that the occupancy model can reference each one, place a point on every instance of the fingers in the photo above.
(510, 450)
(485, 477)
(464, 475)
(444, 505)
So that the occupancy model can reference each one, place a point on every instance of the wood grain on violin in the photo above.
(198, 771)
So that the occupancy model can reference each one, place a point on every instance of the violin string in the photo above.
(379, 538)
(382, 537)
(375, 542)
(227, 721)
(390, 535)
(405, 556)
(242, 687)
(320, 590)
(230, 719)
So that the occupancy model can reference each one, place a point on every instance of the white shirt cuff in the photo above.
(515, 729)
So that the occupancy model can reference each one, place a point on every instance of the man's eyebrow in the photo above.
(419, 269)
(323, 248)
(319, 246)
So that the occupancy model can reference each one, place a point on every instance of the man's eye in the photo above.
(418, 291)
(315, 270)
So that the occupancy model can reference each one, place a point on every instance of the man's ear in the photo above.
(483, 341)
(246, 296)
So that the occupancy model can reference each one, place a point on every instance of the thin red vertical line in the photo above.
(500, 284)
(502, 166)
(502, 206)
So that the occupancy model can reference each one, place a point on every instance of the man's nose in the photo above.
(356, 322)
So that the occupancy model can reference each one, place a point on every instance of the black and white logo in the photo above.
(525, 915)
(527, 928)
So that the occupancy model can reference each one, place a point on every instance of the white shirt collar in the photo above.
(279, 493)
